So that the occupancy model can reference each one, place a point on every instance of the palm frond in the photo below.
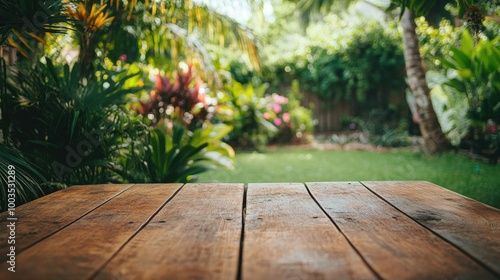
(25, 177)
(193, 42)
(197, 17)
(223, 29)
(23, 20)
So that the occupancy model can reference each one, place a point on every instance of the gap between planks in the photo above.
(343, 234)
(288, 235)
(242, 236)
(371, 223)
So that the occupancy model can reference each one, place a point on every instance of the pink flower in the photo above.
(277, 121)
(279, 99)
(266, 115)
(286, 117)
(277, 108)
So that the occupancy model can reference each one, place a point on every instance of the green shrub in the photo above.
(73, 127)
(292, 119)
(436, 42)
(474, 71)
(259, 119)
(381, 129)
(183, 100)
(361, 62)
(177, 155)
(182, 141)
(245, 108)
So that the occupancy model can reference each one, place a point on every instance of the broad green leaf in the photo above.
(220, 159)
(460, 59)
(465, 73)
(267, 125)
(467, 44)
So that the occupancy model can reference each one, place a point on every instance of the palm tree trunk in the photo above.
(434, 139)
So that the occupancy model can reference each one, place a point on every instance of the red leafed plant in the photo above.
(178, 100)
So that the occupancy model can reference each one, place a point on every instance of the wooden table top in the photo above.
(331, 230)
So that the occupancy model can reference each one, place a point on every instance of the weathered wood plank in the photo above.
(195, 236)
(287, 236)
(395, 246)
(472, 226)
(46, 215)
(81, 248)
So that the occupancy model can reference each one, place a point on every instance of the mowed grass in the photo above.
(453, 171)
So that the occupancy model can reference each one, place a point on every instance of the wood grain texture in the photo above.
(46, 215)
(472, 226)
(81, 248)
(395, 246)
(287, 236)
(195, 236)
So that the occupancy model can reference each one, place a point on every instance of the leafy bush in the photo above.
(436, 42)
(289, 116)
(473, 78)
(181, 141)
(244, 107)
(72, 126)
(177, 155)
(474, 71)
(362, 62)
(178, 100)
(463, 77)
(382, 130)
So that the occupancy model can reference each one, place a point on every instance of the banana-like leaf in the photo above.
(179, 155)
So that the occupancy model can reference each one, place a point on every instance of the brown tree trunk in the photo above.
(434, 139)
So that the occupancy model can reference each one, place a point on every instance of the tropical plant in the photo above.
(159, 33)
(470, 92)
(475, 72)
(181, 141)
(245, 107)
(452, 111)
(174, 154)
(71, 126)
(24, 177)
(24, 23)
(88, 34)
(184, 100)
(435, 42)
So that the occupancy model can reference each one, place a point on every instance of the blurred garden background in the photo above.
(133, 91)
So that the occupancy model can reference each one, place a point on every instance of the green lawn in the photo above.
(456, 172)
